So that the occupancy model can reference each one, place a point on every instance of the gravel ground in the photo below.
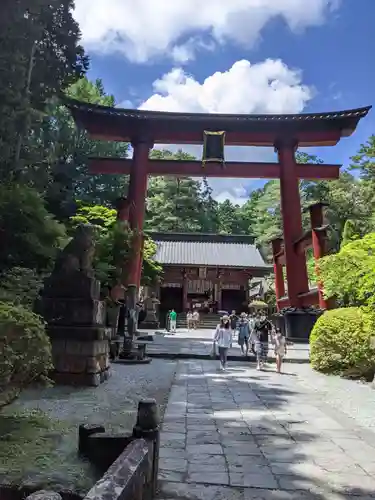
(355, 399)
(113, 404)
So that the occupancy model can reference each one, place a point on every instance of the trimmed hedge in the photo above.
(25, 350)
(340, 343)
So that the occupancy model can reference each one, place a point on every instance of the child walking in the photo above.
(280, 349)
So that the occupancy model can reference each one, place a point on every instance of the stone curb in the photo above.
(249, 359)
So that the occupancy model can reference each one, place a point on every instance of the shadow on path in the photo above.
(258, 435)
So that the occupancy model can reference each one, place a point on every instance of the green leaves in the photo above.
(30, 236)
(26, 351)
(349, 275)
(340, 343)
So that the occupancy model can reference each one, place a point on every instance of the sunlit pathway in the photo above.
(244, 434)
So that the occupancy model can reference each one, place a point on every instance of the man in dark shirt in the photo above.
(262, 330)
(233, 318)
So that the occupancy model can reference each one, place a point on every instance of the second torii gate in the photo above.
(285, 133)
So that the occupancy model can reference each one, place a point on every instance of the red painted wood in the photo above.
(319, 248)
(106, 129)
(232, 169)
(292, 223)
(278, 270)
(283, 302)
(310, 298)
(137, 199)
(303, 243)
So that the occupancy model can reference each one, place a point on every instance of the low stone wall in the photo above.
(129, 462)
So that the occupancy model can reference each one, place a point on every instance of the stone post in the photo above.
(132, 321)
(148, 428)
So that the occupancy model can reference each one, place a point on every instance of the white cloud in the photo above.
(228, 195)
(143, 29)
(267, 87)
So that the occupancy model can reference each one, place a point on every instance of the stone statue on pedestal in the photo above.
(75, 315)
(151, 320)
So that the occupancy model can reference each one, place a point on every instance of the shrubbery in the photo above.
(25, 350)
(20, 286)
(340, 343)
(349, 275)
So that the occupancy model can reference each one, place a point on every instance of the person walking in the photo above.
(233, 319)
(189, 320)
(223, 340)
(262, 330)
(243, 334)
(173, 320)
(251, 320)
(279, 342)
(195, 319)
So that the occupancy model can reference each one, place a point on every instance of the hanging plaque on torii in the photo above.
(213, 147)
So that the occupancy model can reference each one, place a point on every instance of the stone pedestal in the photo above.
(296, 324)
(76, 325)
(151, 321)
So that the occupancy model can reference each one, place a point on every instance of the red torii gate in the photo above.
(285, 133)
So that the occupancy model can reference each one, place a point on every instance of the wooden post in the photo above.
(219, 297)
(278, 270)
(319, 234)
(184, 291)
(137, 200)
(296, 270)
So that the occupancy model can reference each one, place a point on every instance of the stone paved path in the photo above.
(251, 435)
(199, 342)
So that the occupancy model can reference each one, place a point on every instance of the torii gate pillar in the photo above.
(295, 262)
(137, 200)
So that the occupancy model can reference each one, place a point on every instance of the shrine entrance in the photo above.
(234, 300)
(143, 129)
(171, 298)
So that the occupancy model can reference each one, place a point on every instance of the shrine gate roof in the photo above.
(309, 129)
(211, 250)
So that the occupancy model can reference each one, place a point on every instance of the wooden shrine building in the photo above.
(207, 268)
(285, 133)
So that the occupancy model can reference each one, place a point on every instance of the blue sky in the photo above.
(319, 52)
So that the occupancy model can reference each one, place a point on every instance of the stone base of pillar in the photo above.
(150, 322)
(76, 326)
(149, 325)
(83, 362)
(296, 324)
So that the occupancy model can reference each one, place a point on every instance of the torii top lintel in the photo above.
(312, 129)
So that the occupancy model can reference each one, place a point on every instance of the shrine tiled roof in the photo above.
(235, 251)
(142, 114)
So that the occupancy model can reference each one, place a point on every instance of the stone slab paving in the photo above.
(199, 343)
(243, 434)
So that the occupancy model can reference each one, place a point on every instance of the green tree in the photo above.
(63, 152)
(210, 209)
(230, 220)
(349, 275)
(364, 160)
(39, 55)
(30, 236)
(174, 204)
(113, 248)
(349, 233)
